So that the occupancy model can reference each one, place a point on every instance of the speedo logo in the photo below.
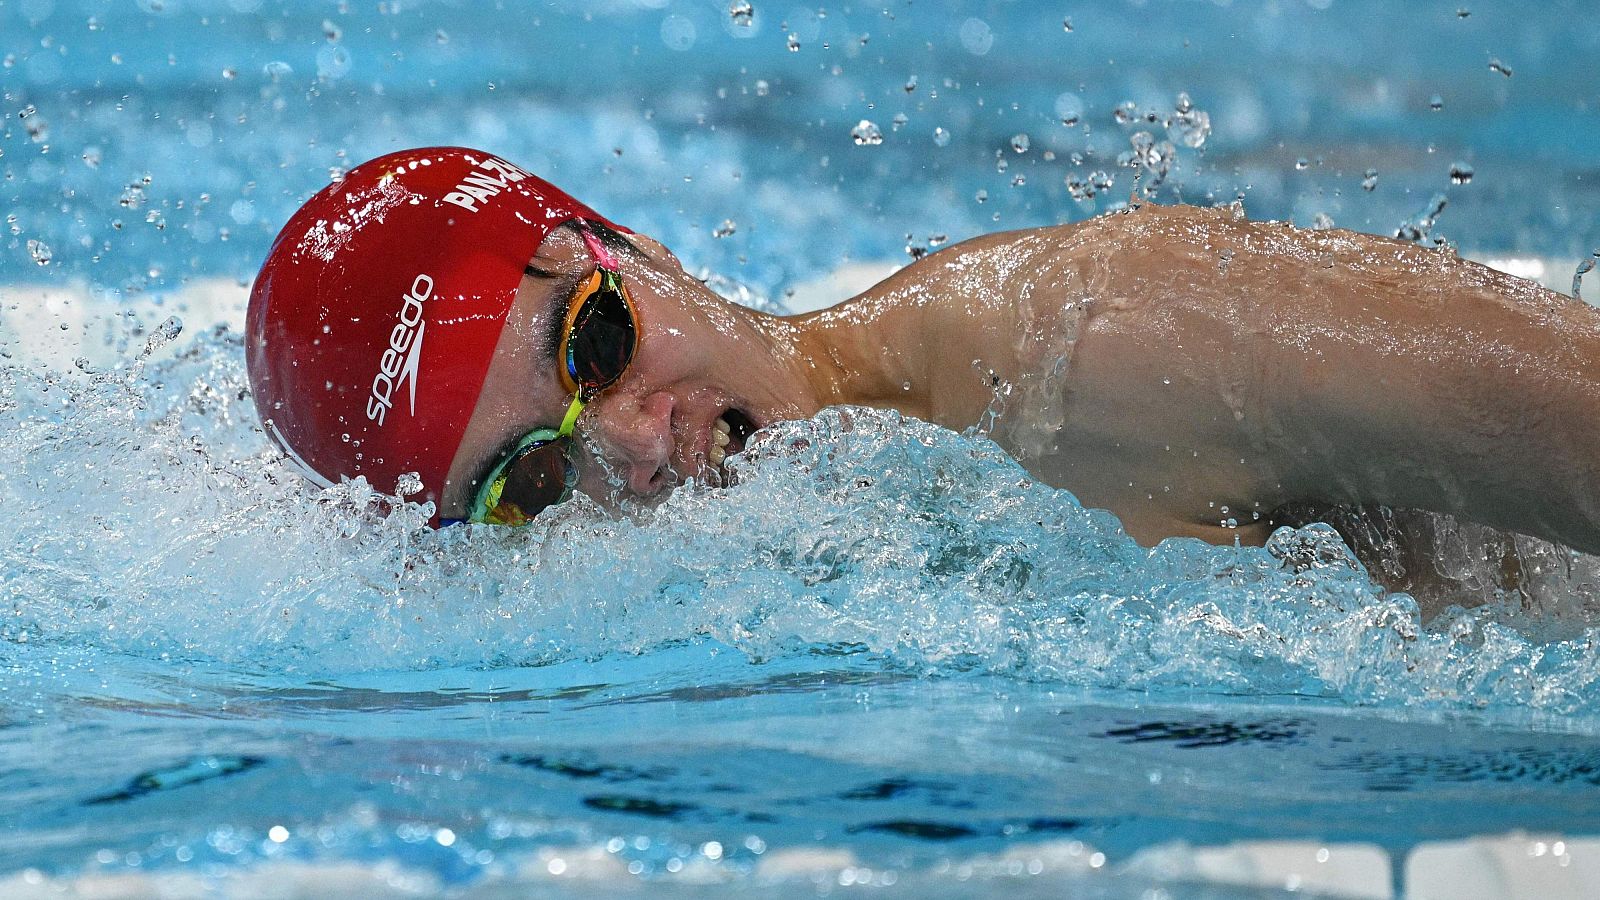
(479, 187)
(400, 359)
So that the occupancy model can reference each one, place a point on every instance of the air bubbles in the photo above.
(1460, 173)
(1301, 164)
(1436, 103)
(40, 251)
(726, 229)
(229, 73)
(740, 13)
(277, 70)
(1495, 65)
(899, 121)
(982, 196)
(1463, 12)
(941, 137)
(911, 84)
(794, 42)
(1125, 112)
(1020, 143)
(1066, 25)
(1322, 221)
(332, 31)
(866, 134)
(1369, 180)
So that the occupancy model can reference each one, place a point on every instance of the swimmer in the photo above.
(443, 312)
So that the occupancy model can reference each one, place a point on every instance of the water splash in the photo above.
(1584, 268)
(146, 513)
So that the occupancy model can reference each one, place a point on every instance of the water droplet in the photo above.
(1496, 65)
(40, 251)
(727, 228)
(941, 137)
(911, 84)
(935, 240)
(1418, 229)
(898, 120)
(866, 133)
(406, 485)
(1369, 180)
(1189, 126)
(1460, 173)
(229, 73)
(1302, 164)
(1436, 103)
(982, 196)
(1019, 143)
(1018, 180)
(1463, 12)
(1066, 25)
(741, 12)
(1584, 268)
(1126, 112)
(794, 42)
(762, 87)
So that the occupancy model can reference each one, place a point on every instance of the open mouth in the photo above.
(728, 434)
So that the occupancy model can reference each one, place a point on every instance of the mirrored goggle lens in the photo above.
(601, 342)
(540, 477)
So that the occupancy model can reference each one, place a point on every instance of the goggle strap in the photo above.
(601, 254)
(570, 420)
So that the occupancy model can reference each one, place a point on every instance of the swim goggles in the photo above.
(597, 344)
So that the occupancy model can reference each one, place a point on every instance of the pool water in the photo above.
(885, 657)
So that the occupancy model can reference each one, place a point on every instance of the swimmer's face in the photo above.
(700, 358)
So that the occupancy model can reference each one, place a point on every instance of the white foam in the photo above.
(1487, 867)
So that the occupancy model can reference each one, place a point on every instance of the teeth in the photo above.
(721, 436)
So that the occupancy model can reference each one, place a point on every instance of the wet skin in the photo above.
(1178, 366)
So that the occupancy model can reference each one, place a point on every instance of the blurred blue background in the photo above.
(146, 143)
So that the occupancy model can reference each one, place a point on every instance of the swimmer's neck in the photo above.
(929, 340)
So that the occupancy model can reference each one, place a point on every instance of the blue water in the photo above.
(885, 640)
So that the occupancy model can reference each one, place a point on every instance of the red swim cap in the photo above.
(375, 317)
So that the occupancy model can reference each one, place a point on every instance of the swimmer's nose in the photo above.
(635, 435)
